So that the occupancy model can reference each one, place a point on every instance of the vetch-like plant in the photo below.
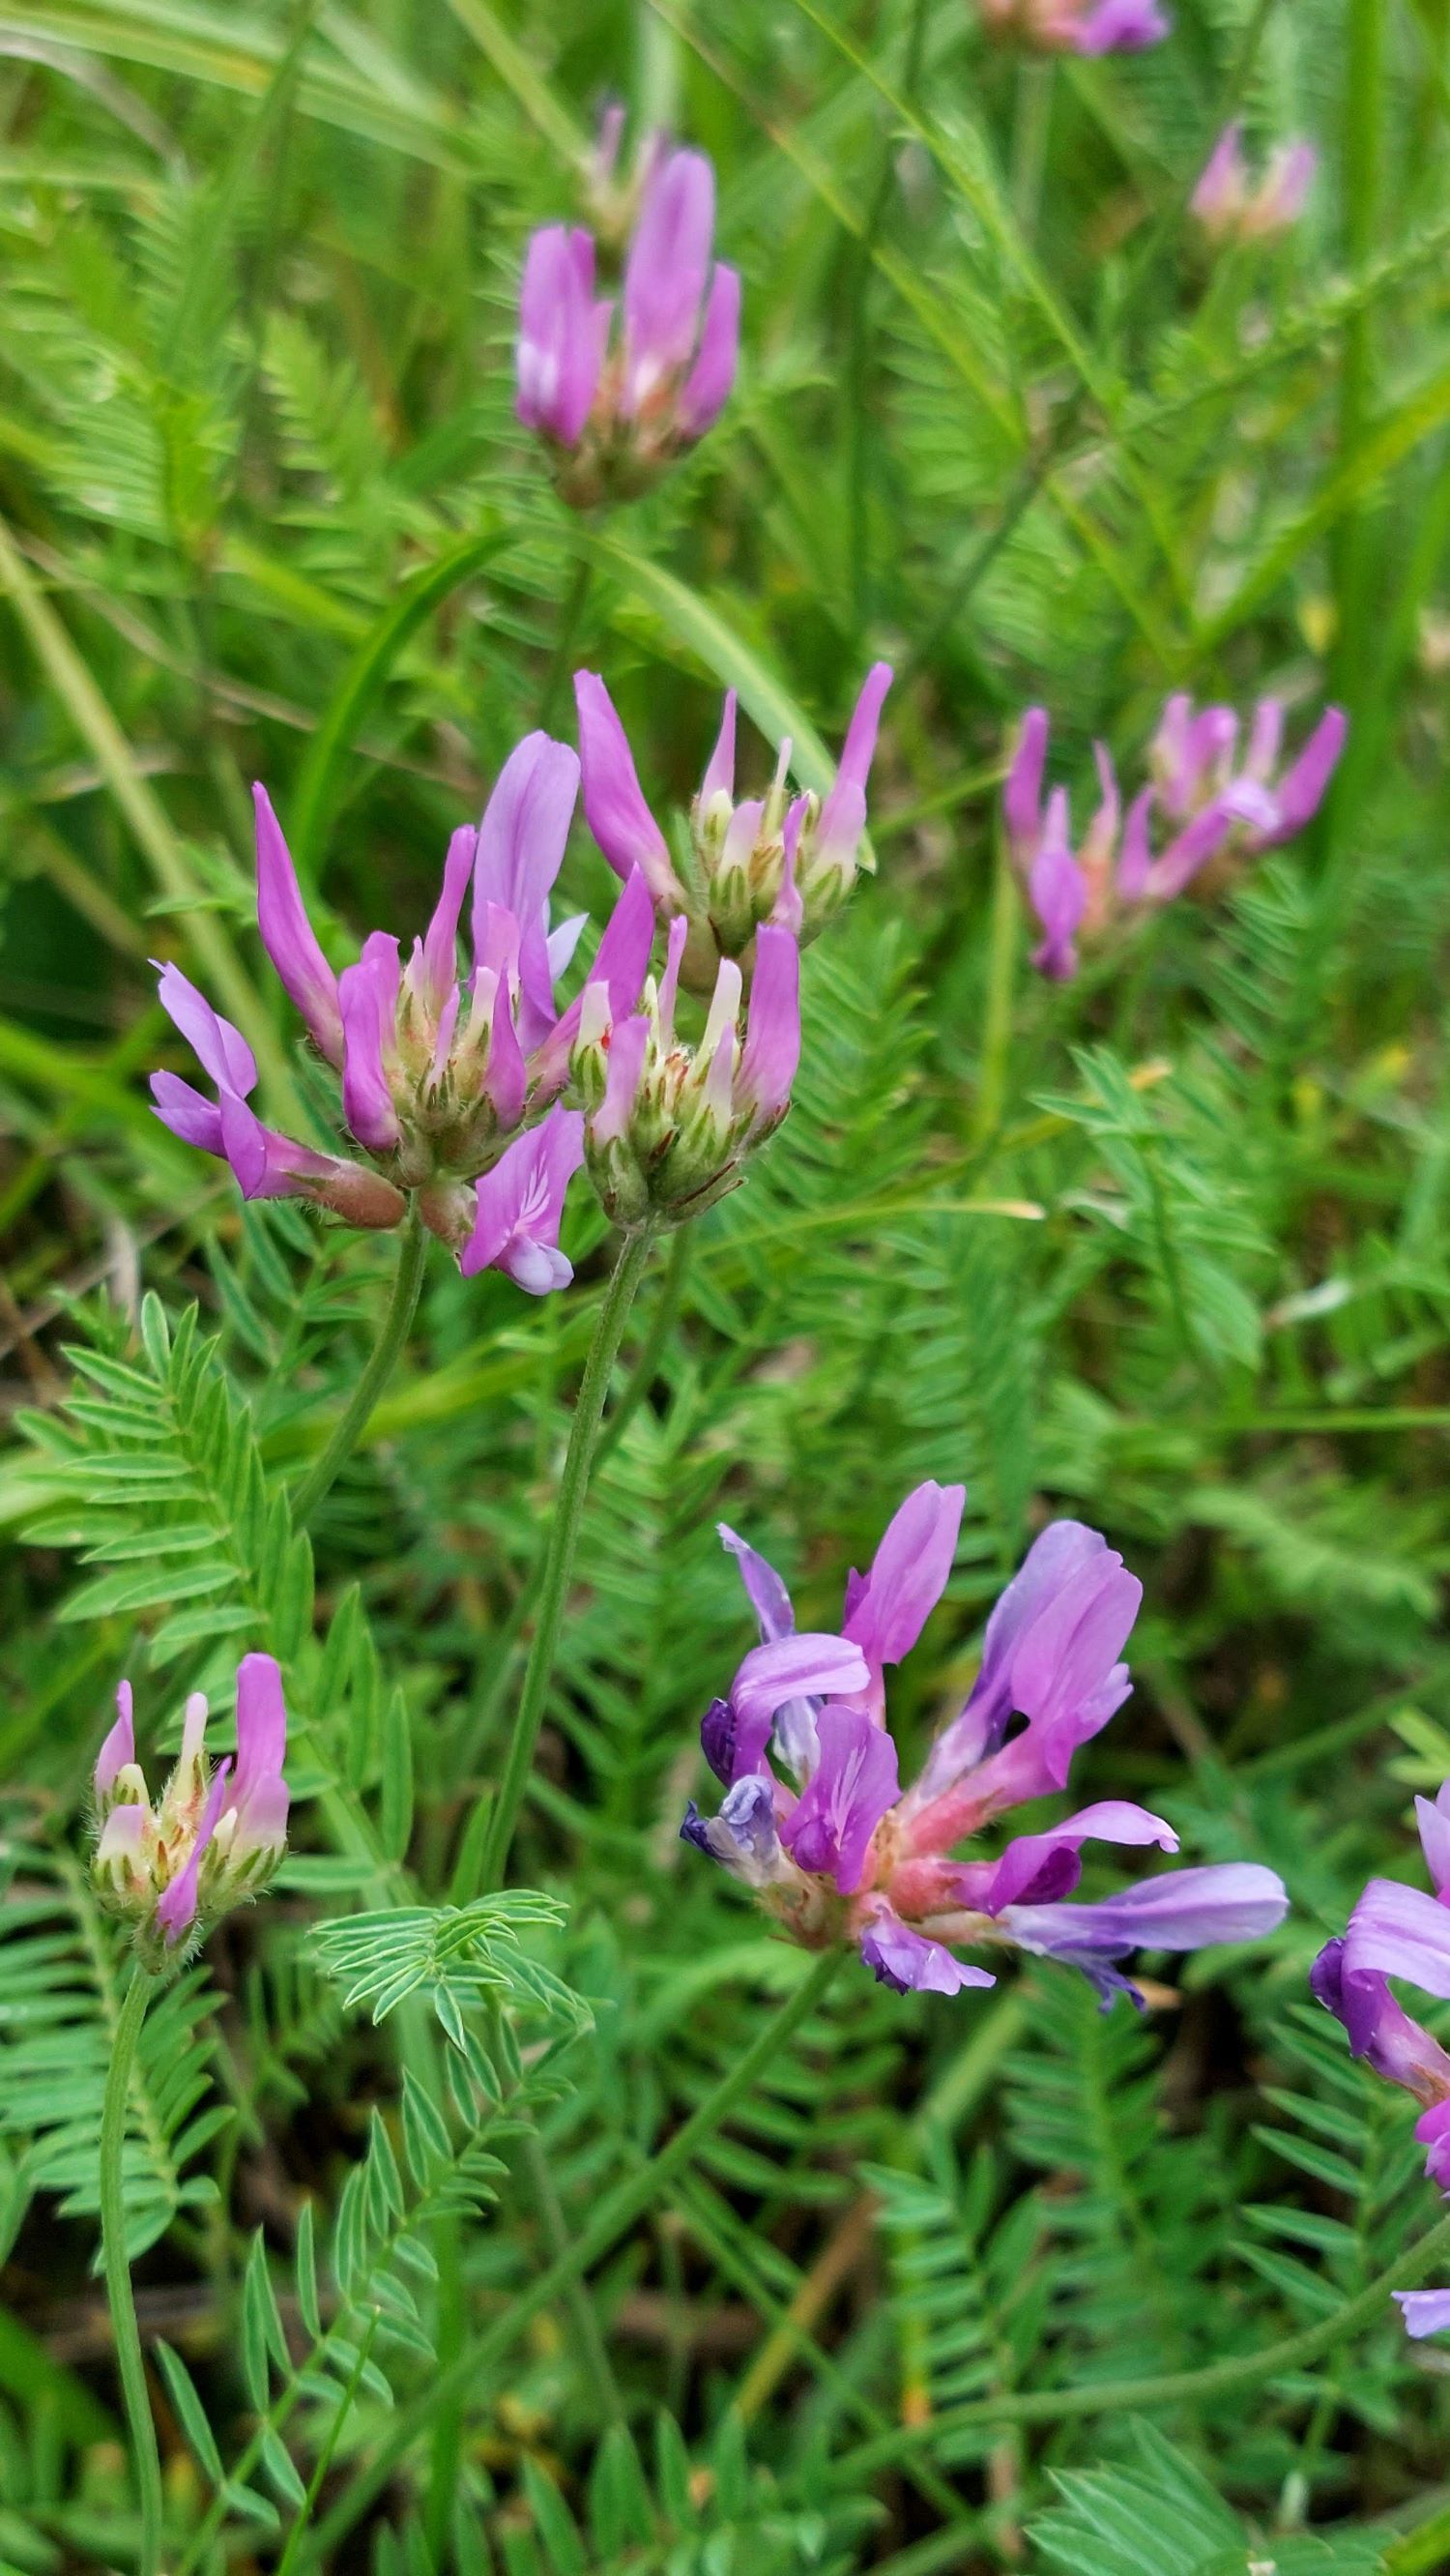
(846, 1856)
(1231, 208)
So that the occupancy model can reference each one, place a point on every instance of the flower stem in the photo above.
(118, 2270)
(571, 618)
(412, 1260)
(661, 1325)
(609, 1326)
(1001, 981)
(615, 2214)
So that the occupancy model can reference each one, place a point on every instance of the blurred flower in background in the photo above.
(1076, 26)
(212, 1839)
(1230, 209)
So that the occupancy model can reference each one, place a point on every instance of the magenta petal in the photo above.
(440, 944)
(614, 805)
(288, 936)
(520, 1205)
(706, 389)
(764, 1589)
(908, 1573)
(560, 348)
(719, 778)
(773, 1029)
(261, 1723)
(829, 1830)
(1218, 196)
(221, 1050)
(665, 272)
(628, 1042)
(119, 1747)
(1022, 787)
(843, 814)
(188, 1114)
(176, 1906)
(368, 996)
(1301, 791)
(1058, 891)
(525, 828)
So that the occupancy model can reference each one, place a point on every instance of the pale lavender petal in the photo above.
(1401, 1932)
(261, 1724)
(440, 944)
(843, 814)
(119, 1747)
(261, 1818)
(1434, 1823)
(368, 996)
(1182, 1910)
(1038, 1869)
(561, 943)
(614, 805)
(628, 1044)
(1425, 2312)
(1286, 184)
(719, 778)
(289, 938)
(908, 1573)
(909, 1961)
(810, 1663)
(665, 272)
(1121, 27)
(562, 331)
(706, 388)
(121, 1834)
(521, 843)
(521, 1204)
(1301, 791)
(188, 1114)
(1218, 197)
(1022, 787)
(505, 1075)
(221, 1050)
(1266, 735)
(829, 1830)
(764, 1589)
(1135, 857)
(1058, 892)
(176, 1907)
(773, 1029)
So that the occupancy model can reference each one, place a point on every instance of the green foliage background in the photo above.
(1166, 1248)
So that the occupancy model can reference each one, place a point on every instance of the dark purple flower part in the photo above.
(777, 861)
(1398, 1931)
(615, 416)
(852, 1858)
(1210, 805)
(449, 1075)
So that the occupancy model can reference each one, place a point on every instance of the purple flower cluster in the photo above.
(777, 860)
(212, 1839)
(844, 1854)
(616, 405)
(450, 1081)
(1230, 208)
(1398, 1931)
(1205, 800)
(1077, 26)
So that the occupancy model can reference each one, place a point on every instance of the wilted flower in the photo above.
(846, 1856)
(212, 1839)
(616, 405)
(1077, 26)
(669, 1126)
(781, 859)
(1216, 805)
(440, 1072)
(1229, 209)
(1398, 1931)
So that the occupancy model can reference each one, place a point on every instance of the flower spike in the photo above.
(212, 1839)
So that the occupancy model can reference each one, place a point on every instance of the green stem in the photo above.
(412, 1260)
(616, 2214)
(1113, 2396)
(118, 2270)
(662, 1324)
(563, 1539)
(1001, 981)
(571, 618)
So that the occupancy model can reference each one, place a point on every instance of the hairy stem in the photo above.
(118, 2270)
(609, 1325)
(661, 1326)
(616, 2213)
(412, 1261)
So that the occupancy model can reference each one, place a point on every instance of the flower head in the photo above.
(212, 1839)
(779, 859)
(442, 1069)
(618, 387)
(1230, 208)
(1076, 26)
(1398, 1931)
(837, 1851)
(669, 1126)
(1209, 803)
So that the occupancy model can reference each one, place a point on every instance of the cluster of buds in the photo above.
(450, 1082)
(1230, 209)
(615, 406)
(1399, 1931)
(668, 1127)
(212, 1839)
(1076, 26)
(1219, 808)
(844, 1856)
(776, 860)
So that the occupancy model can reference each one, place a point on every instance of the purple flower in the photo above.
(520, 1204)
(852, 1858)
(789, 862)
(669, 1128)
(445, 1071)
(1398, 1931)
(1077, 26)
(1229, 209)
(213, 1838)
(1215, 806)
(615, 418)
